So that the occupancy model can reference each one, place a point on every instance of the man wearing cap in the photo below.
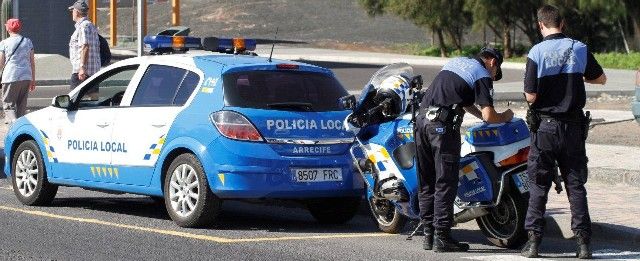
(84, 46)
(556, 71)
(460, 84)
(18, 71)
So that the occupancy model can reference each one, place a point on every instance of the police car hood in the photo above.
(296, 133)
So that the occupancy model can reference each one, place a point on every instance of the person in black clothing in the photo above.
(461, 83)
(556, 71)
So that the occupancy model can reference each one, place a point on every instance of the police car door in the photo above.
(82, 137)
(154, 104)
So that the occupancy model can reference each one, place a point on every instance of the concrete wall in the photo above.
(47, 23)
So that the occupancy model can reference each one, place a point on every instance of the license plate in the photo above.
(522, 181)
(317, 175)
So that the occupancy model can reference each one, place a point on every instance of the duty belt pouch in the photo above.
(533, 120)
(435, 113)
(586, 122)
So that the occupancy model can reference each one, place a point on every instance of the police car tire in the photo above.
(333, 210)
(207, 206)
(518, 203)
(44, 192)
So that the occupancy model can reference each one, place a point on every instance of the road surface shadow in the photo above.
(235, 215)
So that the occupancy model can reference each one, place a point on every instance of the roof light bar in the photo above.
(228, 45)
(167, 44)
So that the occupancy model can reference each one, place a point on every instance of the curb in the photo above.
(51, 82)
(559, 226)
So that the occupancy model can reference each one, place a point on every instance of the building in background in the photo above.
(47, 23)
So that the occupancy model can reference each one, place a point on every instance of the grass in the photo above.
(607, 60)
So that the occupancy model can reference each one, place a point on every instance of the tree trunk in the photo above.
(506, 41)
(635, 43)
(441, 43)
(455, 39)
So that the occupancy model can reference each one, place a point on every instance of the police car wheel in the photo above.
(29, 177)
(504, 225)
(333, 210)
(187, 196)
(388, 219)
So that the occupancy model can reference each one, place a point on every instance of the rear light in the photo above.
(520, 157)
(235, 126)
(287, 66)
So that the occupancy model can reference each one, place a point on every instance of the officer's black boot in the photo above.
(584, 245)
(530, 249)
(443, 242)
(428, 238)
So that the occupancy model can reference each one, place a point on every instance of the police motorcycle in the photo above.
(493, 185)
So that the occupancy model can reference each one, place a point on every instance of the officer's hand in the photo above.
(507, 115)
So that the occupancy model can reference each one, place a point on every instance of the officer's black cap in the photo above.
(495, 54)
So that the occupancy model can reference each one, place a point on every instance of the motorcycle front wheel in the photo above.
(504, 225)
(389, 219)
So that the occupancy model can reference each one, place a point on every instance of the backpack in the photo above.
(105, 52)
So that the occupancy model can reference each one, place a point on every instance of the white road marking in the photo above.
(609, 254)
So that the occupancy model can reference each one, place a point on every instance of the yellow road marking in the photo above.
(185, 234)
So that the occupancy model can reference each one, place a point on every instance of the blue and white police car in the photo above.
(195, 129)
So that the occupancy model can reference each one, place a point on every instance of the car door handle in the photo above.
(158, 124)
(102, 124)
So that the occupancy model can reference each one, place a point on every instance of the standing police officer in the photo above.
(554, 83)
(461, 83)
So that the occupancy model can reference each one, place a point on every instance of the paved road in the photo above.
(82, 225)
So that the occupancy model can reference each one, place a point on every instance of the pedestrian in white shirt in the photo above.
(17, 61)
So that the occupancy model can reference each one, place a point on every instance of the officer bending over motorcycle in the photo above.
(554, 83)
(461, 83)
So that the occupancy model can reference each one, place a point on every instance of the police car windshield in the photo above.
(283, 90)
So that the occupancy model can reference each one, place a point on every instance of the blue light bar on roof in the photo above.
(165, 43)
(228, 45)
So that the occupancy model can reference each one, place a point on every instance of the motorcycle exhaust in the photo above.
(469, 214)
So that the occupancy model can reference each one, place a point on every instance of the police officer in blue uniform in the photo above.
(461, 83)
(554, 85)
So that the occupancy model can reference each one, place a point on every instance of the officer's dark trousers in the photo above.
(438, 160)
(561, 142)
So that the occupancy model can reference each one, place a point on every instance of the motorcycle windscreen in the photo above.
(477, 179)
(379, 76)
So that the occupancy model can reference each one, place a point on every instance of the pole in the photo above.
(141, 20)
(175, 12)
(144, 17)
(113, 8)
(94, 12)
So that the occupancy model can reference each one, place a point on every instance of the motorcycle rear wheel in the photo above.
(504, 225)
(384, 213)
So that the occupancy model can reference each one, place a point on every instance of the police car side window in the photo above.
(158, 86)
(106, 90)
(187, 86)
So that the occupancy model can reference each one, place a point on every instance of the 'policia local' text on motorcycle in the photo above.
(493, 184)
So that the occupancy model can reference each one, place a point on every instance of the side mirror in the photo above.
(61, 101)
(416, 82)
(347, 102)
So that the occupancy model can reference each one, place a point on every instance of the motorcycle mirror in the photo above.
(416, 82)
(347, 102)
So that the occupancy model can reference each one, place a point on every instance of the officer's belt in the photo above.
(577, 116)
